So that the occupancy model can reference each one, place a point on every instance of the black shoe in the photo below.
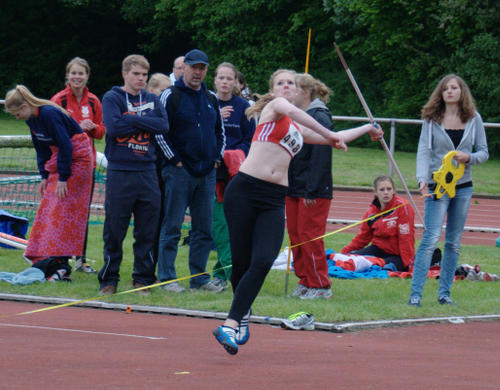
(445, 301)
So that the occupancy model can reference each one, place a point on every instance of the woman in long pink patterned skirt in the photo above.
(65, 161)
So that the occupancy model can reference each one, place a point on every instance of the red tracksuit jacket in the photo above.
(394, 232)
(89, 108)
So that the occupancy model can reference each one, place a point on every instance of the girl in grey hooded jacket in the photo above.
(451, 123)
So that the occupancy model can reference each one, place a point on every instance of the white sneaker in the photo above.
(220, 282)
(209, 286)
(317, 293)
(82, 266)
(299, 290)
(299, 321)
(174, 287)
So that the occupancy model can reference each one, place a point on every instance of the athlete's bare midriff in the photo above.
(267, 161)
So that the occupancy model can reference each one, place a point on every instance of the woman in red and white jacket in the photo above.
(392, 235)
(86, 109)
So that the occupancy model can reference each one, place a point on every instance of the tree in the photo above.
(42, 36)
(414, 43)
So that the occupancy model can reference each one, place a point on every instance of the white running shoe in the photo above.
(317, 293)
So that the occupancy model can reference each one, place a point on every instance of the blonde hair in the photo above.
(435, 107)
(257, 108)
(132, 60)
(318, 89)
(20, 95)
(156, 79)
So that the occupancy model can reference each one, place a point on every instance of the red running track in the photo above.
(81, 348)
(483, 212)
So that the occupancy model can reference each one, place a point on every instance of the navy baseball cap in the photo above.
(196, 56)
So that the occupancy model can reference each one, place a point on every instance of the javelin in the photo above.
(308, 50)
(382, 141)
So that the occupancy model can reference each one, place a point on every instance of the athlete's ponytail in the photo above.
(20, 95)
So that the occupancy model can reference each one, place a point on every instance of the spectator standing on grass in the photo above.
(132, 117)
(392, 235)
(254, 201)
(86, 109)
(239, 132)
(65, 162)
(309, 195)
(177, 69)
(158, 82)
(451, 123)
(195, 148)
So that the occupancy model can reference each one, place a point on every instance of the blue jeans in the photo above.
(183, 190)
(457, 209)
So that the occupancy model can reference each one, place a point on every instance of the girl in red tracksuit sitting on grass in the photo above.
(392, 235)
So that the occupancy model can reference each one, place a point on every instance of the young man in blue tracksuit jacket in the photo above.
(133, 117)
(195, 147)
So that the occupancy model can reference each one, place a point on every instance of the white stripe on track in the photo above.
(83, 331)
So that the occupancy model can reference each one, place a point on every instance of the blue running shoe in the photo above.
(243, 333)
(225, 336)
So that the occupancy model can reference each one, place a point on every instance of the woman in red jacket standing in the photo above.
(86, 109)
(392, 235)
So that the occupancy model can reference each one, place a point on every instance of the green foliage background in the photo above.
(396, 49)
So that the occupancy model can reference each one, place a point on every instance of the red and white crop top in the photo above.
(283, 132)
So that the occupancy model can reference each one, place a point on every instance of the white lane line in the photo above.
(83, 331)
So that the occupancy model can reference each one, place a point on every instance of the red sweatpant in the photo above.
(303, 224)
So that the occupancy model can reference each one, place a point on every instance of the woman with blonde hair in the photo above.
(310, 191)
(65, 163)
(158, 82)
(254, 200)
(86, 109)
(451, 123)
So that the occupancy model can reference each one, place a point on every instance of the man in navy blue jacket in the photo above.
(132, 117)
(194, 149)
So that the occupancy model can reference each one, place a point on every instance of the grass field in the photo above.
(353, 300)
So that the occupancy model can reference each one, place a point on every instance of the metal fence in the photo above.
(393, 122)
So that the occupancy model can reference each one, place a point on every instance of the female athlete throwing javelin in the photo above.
(254, 201)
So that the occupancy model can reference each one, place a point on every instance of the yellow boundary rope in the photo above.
(107, 296)
(199, 274)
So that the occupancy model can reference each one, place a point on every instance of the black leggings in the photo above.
(255, 214)
(373, 250)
